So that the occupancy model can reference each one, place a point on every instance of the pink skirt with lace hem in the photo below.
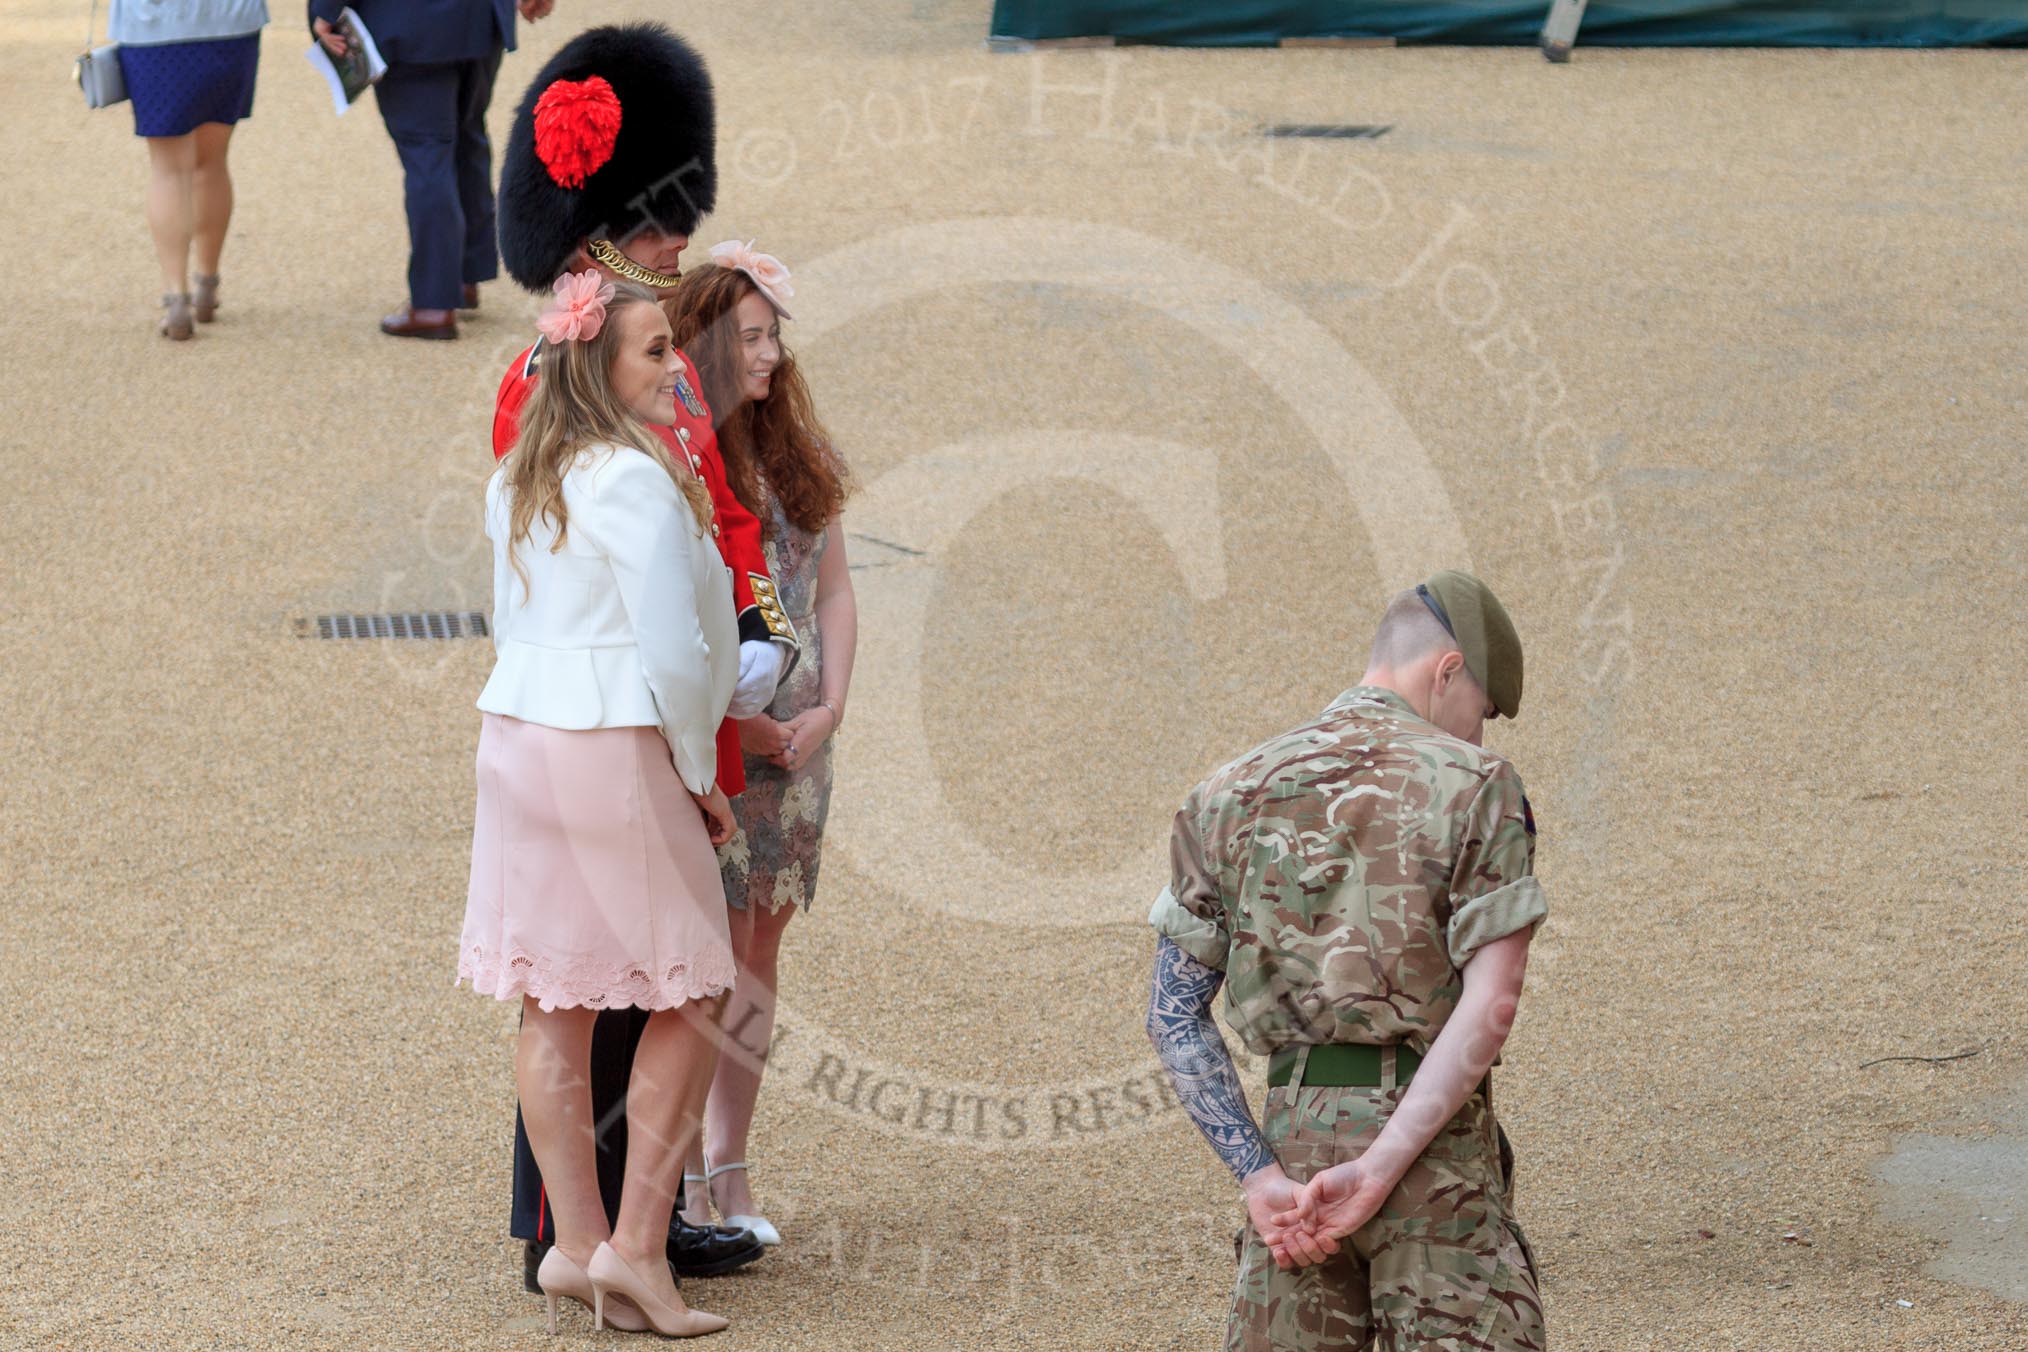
(594, 883)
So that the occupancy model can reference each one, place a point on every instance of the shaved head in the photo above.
(1407, 633)
(1417, 658)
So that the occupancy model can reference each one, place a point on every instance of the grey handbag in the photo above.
(98, 71)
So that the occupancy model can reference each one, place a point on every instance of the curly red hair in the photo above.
(779, 439)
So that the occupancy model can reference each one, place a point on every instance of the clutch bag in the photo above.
(98, 74)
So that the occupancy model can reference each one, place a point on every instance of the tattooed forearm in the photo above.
(1199, 1065)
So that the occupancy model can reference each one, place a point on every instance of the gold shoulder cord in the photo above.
(607, 254)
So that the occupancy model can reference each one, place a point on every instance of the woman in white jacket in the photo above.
(593, 880)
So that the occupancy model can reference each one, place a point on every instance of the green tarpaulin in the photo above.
(1634, 23)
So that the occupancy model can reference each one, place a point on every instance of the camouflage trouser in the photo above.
(1442, 1266)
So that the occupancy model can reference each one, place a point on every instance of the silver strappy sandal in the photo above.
(204, 300)
(176, 316)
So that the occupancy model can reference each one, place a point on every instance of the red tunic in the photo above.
(692, 441)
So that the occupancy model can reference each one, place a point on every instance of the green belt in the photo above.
(1341, 1064)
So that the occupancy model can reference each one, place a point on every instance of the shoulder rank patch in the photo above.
(1527, 815)
(691, 403)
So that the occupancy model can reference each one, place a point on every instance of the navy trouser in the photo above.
(615, 1035)
(437, 117)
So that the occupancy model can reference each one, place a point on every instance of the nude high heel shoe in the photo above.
(560, 1275)
(611, 1278)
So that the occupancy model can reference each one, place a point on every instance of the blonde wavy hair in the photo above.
(572, 409)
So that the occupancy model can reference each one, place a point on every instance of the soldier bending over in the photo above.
(1362, 886)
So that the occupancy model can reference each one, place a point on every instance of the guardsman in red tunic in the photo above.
(610, 166)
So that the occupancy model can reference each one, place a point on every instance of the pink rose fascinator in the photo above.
(765, 270)
(579, 310)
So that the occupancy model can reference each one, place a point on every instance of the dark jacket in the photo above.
(424, 32)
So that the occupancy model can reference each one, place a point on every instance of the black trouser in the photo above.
(437, 117)
(615, 1035)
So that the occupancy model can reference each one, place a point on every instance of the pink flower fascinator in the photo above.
(579, 310)
(766, 271)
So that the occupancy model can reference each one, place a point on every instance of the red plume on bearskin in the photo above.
(574, 170)
(577, 124)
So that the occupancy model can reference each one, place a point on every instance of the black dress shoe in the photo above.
(531, 1260)
(709, 1250)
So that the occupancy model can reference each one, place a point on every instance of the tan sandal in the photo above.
(176, 319)
(204, 300)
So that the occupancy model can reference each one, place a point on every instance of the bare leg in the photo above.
(749, 1028)
(211, 191)
(697, 1201)
(172, 164)
(551, 1071)
(665, 1101)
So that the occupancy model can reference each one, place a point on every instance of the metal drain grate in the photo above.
(1326, 131)
(414, 624)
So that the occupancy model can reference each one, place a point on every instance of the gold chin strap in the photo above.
(607, 254)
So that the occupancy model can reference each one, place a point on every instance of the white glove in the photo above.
(760, 666)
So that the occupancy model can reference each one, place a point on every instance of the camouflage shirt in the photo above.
(1341, 874)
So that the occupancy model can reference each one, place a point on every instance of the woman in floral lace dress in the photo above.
(778, 459)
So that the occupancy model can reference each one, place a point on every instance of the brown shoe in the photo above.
(470, 300)
(409, 322)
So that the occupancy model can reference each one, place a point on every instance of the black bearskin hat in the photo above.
(614, 135)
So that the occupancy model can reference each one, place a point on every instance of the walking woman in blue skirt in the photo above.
(189, 67)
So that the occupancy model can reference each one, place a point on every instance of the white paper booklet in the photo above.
(349, 75)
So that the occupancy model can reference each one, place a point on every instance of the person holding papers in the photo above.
(441, 58)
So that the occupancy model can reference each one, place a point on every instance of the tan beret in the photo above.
(1484, 633)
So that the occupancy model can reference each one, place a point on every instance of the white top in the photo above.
(629, 625)
(142, 23)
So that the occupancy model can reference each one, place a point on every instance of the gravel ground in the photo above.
(1710, 361)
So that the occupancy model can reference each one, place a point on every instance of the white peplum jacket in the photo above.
(630, 624)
